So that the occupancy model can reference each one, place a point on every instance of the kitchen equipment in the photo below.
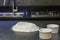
(19, 14)
(45, 33)
(54, 27)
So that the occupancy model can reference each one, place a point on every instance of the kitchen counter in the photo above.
(10, 35)
(7, 34)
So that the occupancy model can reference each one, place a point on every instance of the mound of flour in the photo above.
(25, 27)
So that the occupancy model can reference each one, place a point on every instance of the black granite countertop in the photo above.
(10, 35)
(7, 34)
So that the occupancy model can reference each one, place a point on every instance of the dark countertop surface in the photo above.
(7, 34)
(10, 35)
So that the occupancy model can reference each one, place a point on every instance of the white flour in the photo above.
(25, 27)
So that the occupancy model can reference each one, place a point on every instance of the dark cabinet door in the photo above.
(1, 2)
(37, 2)
(25, 2)
(56, 2)
(33, 2)
(44, 2)
(30, 2)
(7, 2)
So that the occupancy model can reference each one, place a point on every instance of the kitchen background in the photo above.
(30, 2)
(47, 9)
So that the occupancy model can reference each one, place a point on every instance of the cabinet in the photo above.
(6, 2)
(1, 2)
(37, 2)
(56, 2)
(25, 2)
(30, 2)
(44, 2)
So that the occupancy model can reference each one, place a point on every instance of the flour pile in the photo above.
(25, 27)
